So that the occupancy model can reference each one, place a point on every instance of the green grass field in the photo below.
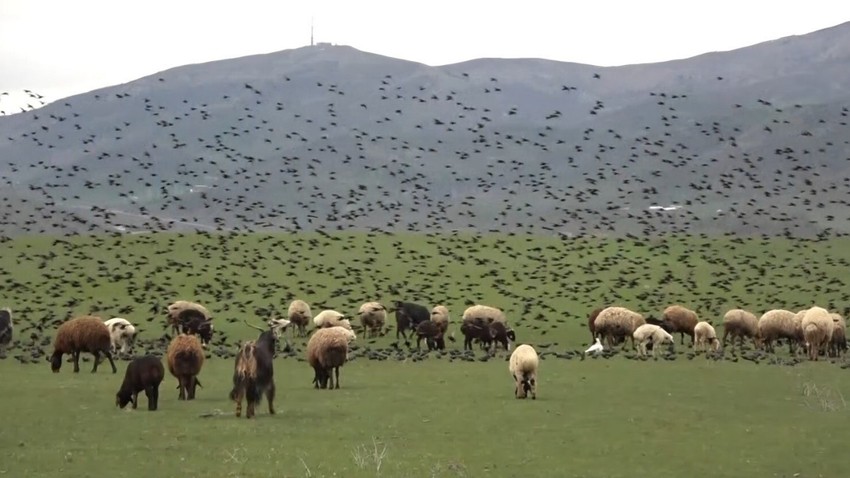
(599, 417)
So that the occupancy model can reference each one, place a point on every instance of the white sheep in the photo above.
(705, 337)
(817, 331)
(373, 316)
(299, 314)
(440, 316)
(484, 312)
(650, 332)
(123, 334)
(740, 323)
(331, 318)
(523, 366)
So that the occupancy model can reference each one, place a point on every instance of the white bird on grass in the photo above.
(594, 349)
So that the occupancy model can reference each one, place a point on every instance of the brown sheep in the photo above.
(185, 358)
(82, 334)
(440, 315)
(680, 319)
(591, 321)
(838, 343)
(740, 323)
(327, 351)
(143, 373)
(615, 323)
(299, 315)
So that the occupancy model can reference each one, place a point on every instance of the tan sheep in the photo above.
(373, 316)
(817, 331)
(331, 318)
(778, 324)
(327, 351)
(440, 316)
(299, 315)
(740, 323)
(705, 337)
(650, 333)
(82, 334)
(591, 321)
(618, 322)
(523, 366)
(185, 358)
(838, 344)
(680, 319)
(485, 312)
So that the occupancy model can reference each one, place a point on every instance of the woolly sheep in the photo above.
(299, 314)
(705, 337)
(680, 319)
(817, 331)
(173, 312)
(82, 334)
(778, 324)
(740, 323)
(838, 344)
(618, 322)
(143, 374)
(185, 358)
(122, 333)
(489, 314)
(331, 318)
(6, 330)
(373, 316)
(431, 332)
(523, 366)
(440, 316)
(327, 351)
(591, 321)
(650, 333)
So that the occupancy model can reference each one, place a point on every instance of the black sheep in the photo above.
(408, 316)
(143, 373)
(432, 333)
(5, 330)
(193, 322)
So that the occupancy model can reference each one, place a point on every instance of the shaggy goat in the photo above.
(82, 334)
(253, 372)
(5, 330)
(143, 373)
(185, 358)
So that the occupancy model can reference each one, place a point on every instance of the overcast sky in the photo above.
(63, 47)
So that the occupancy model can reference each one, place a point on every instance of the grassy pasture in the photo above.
(599, 417)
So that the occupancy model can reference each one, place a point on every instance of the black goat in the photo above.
(408, 316)
(193, 322)
(253, 373)
(144, 373)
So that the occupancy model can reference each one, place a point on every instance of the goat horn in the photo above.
(254, 326)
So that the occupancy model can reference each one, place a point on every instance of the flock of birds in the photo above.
(424, 150)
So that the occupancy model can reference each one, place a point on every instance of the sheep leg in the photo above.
(725, 333)
(76, 356)
(96, 361)
(152, 392)
(336, 370)
(111, 362)
(533, 383)
(182, 386)
(270, 392)
(330, 378)
(190, 386)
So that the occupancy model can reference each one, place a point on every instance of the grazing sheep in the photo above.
(185, 358)
(440, 315)
(173, 312)
(838, 344)
(331, 318)
(500, 333)
(373, 316)
(523, 366)
(740, 323)
(705, 337)
(650, 333)
(486, 333)
(82, 334)
(194, 322)
(5, 330)
(408, 316)
(780, 324)
(123, 334)
(618, 323)
(253, 372)
(817, 331)
(432, 333)
(327, 351)
(143, 373)
(680, 320)
(591, 321)
(485, 312)
(299, 314)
